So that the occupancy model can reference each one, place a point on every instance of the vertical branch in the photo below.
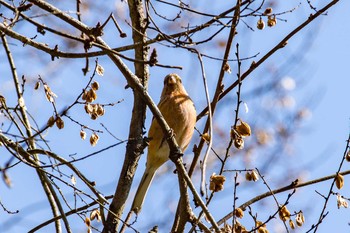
(86, 68)
(239, 84)
(234, 201)
(78, 10)
(136, 143)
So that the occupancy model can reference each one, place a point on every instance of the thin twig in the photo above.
(6, 210)
(239, 85)
(274, 197)
(234, 200)
(204, 162)
(74, 169)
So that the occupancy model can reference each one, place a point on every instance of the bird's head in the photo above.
(171, 80)
(173, 85)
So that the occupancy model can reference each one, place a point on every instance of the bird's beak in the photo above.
(171, 80)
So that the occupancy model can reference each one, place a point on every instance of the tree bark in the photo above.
(136, 143)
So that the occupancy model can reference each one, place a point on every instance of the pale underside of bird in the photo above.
(179, 112)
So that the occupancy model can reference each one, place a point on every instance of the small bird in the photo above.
(180, 114)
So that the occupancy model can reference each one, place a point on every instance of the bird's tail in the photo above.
(142, 190)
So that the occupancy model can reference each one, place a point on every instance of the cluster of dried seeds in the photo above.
(271, 19)
(239, 132)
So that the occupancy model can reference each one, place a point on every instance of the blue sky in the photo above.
(321, 80)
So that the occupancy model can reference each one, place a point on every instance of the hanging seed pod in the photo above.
(88, 108)
(339, 181)
(95, 214)
(347, 157)
(248, 176)
(94, 139)
(92, 96)
(100, 111)
(95, 86)
(271, 21)
(59, 123)
(227, 68)
(51, 121)
(84, 96)
(260, 24)
(206, 137)
(291, 224)
(243, 129)
(268, 11)
(239, 143)
(341, 202)
(87, 222)
(37, 85)
(300, 219)
(284, 213)
(93, 116)
(216, 182)
(100, 70)
(239, 213)
(82, 134)
(255, 176)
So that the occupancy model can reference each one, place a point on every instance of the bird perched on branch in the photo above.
(179, 112)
